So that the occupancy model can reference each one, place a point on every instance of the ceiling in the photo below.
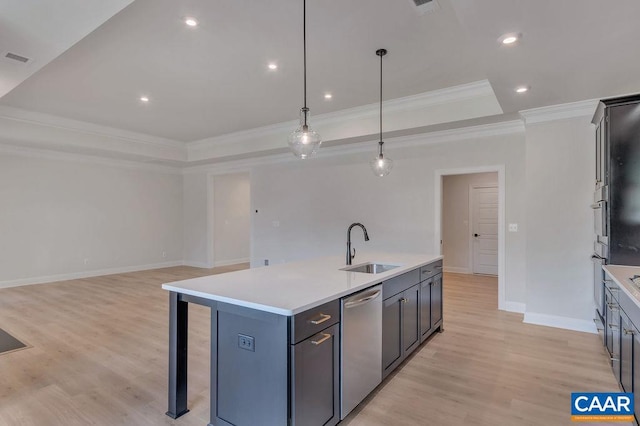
(213, 80)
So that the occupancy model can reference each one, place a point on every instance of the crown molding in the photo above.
(49, 120)
(40, 153)
(423, 100)
(560, 112)
(512, 126)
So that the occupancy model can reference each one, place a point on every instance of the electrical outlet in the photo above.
(246, 342)
(513, 227)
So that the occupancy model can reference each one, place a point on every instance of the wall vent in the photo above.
(16, 57)
(425, 6)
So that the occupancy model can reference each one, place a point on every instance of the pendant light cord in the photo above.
(380, 98)
(304, 42)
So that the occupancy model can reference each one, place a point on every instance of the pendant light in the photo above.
(303, 141)
(381, 165)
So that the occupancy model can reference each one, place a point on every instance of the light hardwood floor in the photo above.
(98, 356)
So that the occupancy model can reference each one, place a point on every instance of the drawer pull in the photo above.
(325, 337)
(628, 331)
(403, 300)
(613, 326)
(323, 318)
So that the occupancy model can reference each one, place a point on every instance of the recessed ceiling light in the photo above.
(522, 89)
(328, 96)
(192, 22)
(509, 39)
(144, 99)
(273, 66)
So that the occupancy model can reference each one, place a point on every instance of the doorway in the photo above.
(469, 222)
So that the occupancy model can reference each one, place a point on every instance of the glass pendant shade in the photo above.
(381, 165)
(303, 141)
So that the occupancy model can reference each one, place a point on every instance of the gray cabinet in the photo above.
(411, 319)
(392, 353)
(430, 306)
(315, 379)
(400, 327)
(436, 300)
(412, 310)
(626, 353)
(425, 308)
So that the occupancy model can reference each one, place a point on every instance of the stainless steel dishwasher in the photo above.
(361, 347)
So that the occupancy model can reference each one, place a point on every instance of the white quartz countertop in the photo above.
(291, 288)
(622, 275)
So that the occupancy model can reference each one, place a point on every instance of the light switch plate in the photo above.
(513, 227)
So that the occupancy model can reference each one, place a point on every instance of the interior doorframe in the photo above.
(472, 187)
(500, 169)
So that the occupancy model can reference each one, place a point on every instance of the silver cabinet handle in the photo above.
(403, 300)
(362, 301)
(626, 331)
(325, 337)
(613, 326)
(323, 318)
(613, 358)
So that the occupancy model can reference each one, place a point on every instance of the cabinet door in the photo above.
(391, 337)
(436, 300)
(315, 379)
(626, 353)
(411, 319)
(425, 308)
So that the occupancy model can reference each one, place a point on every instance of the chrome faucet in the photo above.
(366, 238)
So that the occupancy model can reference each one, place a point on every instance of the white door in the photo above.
(484, 230)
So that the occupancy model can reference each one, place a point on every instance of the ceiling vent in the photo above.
(425, 6)
(16, 57)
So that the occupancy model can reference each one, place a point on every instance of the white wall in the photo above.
(315, 201)
(560, 175)
(231, 218)
(197, 233)
(56, 214)
(455, 218)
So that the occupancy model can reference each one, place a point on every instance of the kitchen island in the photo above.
(275, 334)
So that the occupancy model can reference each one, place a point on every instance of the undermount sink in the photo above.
(370, 268)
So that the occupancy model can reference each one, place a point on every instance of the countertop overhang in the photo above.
(622, 276)
(291, 288)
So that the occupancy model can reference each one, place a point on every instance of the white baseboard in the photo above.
(231, 262)
(197, 264)
(86, 274)
(515, 307)
(456, 270)
(575, 324)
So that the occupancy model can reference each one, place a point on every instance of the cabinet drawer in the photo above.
(400, 283)
(430, 270)
(314, 320)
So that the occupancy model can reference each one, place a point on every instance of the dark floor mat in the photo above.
(9, 343)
